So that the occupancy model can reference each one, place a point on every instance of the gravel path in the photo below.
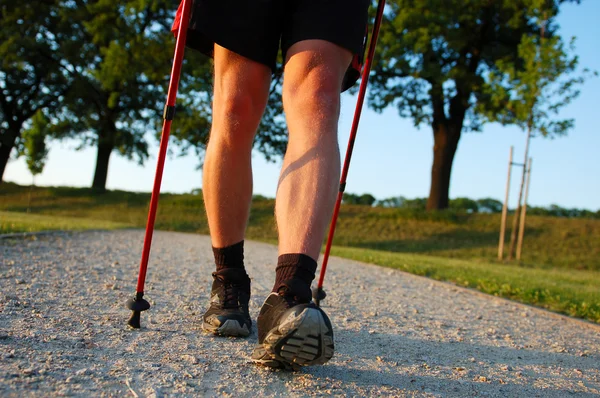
(63, 329)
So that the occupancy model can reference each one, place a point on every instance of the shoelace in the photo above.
(290, 298)
(230, 296)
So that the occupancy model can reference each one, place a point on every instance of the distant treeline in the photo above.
(485, 205)
(467, 205)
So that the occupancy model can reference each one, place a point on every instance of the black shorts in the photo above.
(256, 28)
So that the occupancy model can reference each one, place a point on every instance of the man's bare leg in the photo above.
(292, 331)
(309, 178)
(240, 96)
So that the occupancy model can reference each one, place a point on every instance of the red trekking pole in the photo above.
(137, 304)
(319, 293)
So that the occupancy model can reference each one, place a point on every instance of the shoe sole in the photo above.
(230, 327)
(302, 340)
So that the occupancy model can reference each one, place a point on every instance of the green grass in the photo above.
(560, 268)
(550, 242)
(22, 222)
(570, 292)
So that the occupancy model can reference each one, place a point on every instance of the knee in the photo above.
(240, 93)
(235, 108)
(316, 95)
(235, 119)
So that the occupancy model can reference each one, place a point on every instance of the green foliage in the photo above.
(34, 143)
(97, 69)
(402, 202)
(446, 50)
(416, 206)
(260, 198)
(489, 205)
(558, 211)
(272, 138)
(419, 204)
(193, 116)
(456, 64)
(32, 76)
(532, 95)
(123, 65)
(352, 199)
(465, 204)
(394, 201)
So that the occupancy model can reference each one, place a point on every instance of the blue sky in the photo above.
(393, 158)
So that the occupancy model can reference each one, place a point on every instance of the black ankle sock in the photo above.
(230, 256)
(297, 266)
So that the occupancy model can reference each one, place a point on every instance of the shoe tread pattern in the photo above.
(301, 340)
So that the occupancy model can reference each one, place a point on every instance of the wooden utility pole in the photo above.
(505, 208)
(524, 213)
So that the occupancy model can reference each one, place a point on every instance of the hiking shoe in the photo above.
(292, 330)
(228, 312)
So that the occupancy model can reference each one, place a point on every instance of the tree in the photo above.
(32, 76)
(465, 204)
(394, 201)
(122, 55)
(365, 199)
(349, 198)
(34, 143)
(439, 61)
(125, 74)
(34, 147)
(539, 89)
(415, 204)
(489, 205)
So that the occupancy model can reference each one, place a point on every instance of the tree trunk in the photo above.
(446, 138)
(4, 156)
(101, 172)
(106, 144)
(6, 146)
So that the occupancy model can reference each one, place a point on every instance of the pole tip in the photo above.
(134, 321)
(318, 294)
(137, 304)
